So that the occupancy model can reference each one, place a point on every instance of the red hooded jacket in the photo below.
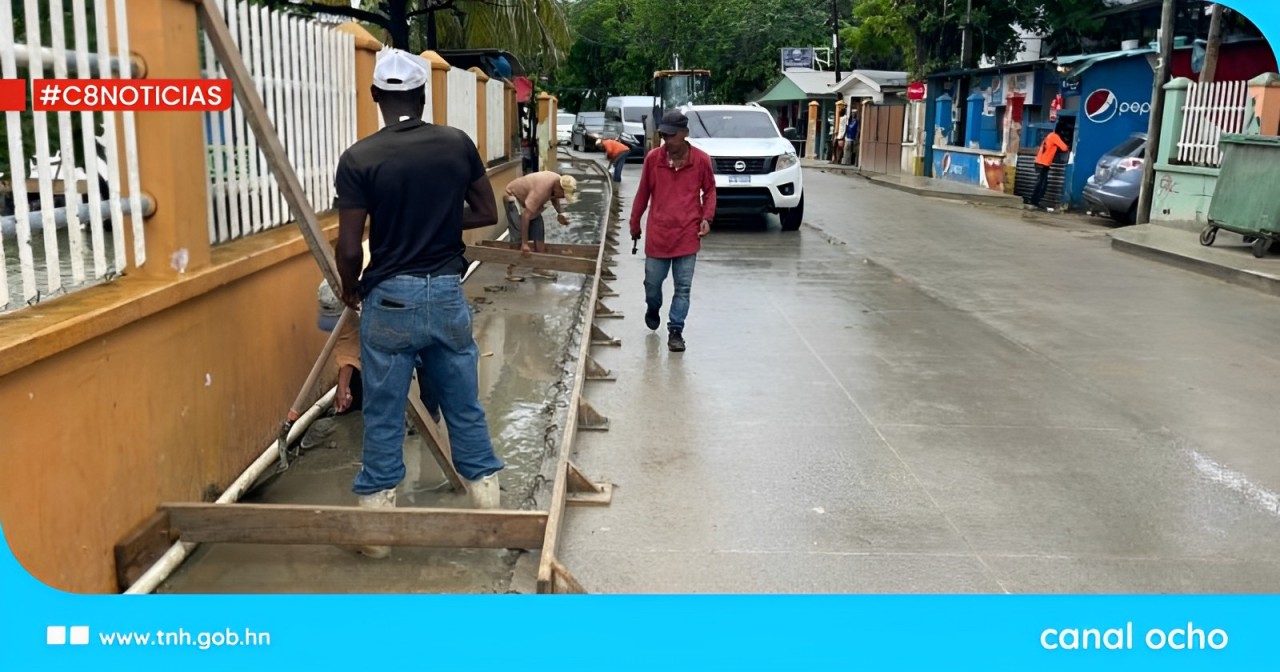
(682, 199)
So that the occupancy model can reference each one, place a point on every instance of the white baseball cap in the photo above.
(399, 70)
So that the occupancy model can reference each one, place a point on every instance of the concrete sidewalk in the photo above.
(1178, 244)
(923, 186)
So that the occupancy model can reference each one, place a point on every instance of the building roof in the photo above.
(1076, 65)
(804, 84)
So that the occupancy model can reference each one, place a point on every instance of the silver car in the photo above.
(1116, 182)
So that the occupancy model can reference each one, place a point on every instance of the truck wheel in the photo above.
(793, 217)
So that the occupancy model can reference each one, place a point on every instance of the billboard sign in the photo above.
(795, 57)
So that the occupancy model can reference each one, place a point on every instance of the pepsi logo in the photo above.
(1102, 106)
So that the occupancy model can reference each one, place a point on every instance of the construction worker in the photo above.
(410, 181)
(617, 153)
(525, 198)
(1044, 162)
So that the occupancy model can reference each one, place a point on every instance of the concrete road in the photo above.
(912, 395)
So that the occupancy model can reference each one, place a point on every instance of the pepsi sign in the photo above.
(1102, 106)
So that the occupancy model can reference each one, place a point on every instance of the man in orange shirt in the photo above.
(1044, 161)
(617, 153)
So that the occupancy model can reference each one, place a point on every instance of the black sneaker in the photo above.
(675, 341)
(652, 320)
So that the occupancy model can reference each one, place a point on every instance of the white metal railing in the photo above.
(461, 109)
(75, 178)
(1211, 110)
(495, 103)
(305, 72)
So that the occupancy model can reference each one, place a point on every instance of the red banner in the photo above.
(131, 95)
(13, 95)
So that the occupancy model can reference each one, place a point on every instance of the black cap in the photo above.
(673, 122)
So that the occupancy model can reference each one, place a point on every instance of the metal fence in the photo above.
(66, 171)
(305, 73)
(1211, 110)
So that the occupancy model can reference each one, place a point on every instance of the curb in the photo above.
(1264, 283)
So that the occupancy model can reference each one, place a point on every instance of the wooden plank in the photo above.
(139, 549)
(436, 444)
(547, 563)
(563, 581)
(350, 525)
(549, 262)
(558, 249)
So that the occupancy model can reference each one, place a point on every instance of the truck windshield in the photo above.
(731, 124)
(636, 114)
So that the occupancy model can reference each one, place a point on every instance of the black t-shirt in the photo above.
(412, 178)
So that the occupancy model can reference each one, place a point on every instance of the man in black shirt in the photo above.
(411, 179)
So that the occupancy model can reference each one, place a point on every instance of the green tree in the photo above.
(620, 43)
(534, 30)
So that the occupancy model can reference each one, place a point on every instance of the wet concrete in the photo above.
(911, 395)
(526, 333)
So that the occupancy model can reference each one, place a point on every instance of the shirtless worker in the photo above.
(525, 198)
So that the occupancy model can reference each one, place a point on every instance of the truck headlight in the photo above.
(787, 161)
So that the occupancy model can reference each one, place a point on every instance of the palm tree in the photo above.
(534, 30)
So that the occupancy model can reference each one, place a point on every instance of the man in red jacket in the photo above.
(677, 181)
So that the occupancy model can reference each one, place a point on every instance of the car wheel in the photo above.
(793, 217)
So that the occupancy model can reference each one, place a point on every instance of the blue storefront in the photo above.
(1110, 96)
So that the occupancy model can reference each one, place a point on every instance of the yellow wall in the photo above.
(164, 384)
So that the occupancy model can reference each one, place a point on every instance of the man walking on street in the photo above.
(851, 138)
(525, 198)
(411, 179)
(617, 153)
(1044, 162)
(678, 187)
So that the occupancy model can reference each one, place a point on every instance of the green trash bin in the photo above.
(1245, 200)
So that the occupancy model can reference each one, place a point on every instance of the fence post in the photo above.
(366, 56)
(1264, 92)
(172, 165)
(546, 108)
(512, 117)
(439, 87)
(1175, 102)
(482, 113)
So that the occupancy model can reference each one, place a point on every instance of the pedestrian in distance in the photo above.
(525, 199)
(411, 180)
(1044, 162)
(678, 188)
(616, 153)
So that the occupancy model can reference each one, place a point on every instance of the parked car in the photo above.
(757, 169)
(564, 127)
(588, 128)
(624, 120)
(1113, 188)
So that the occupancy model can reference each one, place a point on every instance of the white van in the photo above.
(624, 118)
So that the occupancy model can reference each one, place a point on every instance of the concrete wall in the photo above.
(162, 385)
(1182, 193)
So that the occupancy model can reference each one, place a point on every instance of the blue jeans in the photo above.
(405, 321)
(655, 273)
(618, 165)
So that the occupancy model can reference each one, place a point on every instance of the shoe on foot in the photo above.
(386, 499)
(675, 341)
(485, 493)
(652, 320)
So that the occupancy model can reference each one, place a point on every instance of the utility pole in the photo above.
(961, 103)
(835, 36)
(1213, 48)
(1167, 16)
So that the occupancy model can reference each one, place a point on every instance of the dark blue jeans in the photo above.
(655, 274)
(618, 165)
(406, 321)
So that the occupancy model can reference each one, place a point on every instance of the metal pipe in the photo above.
(36, 222)
(172, 559)
(48, 58)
